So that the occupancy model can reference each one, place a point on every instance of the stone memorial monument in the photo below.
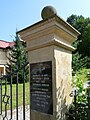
(50, 58)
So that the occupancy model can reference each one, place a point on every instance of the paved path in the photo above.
(20, 114)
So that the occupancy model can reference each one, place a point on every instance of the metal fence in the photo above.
(14, 98)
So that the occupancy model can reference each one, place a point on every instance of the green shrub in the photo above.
(81, 102)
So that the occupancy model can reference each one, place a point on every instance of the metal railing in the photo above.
(10, 96)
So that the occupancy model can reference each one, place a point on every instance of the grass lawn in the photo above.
(20, 95)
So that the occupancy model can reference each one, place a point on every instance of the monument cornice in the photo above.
(46, 25)
(53, 42)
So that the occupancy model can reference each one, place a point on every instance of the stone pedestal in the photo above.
(50, 58)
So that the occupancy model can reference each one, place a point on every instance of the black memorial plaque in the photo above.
(41, 87)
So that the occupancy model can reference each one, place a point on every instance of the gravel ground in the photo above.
(20, 114)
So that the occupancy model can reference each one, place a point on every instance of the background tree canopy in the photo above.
(81, 60)
(81, 56)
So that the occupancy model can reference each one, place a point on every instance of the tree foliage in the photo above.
(17, 59)
(81, 56)
(84, 47)
(81, 59)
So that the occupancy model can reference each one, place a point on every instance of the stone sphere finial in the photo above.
(48, 11)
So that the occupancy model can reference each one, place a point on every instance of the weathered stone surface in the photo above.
(48, 11)
(50, 40)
